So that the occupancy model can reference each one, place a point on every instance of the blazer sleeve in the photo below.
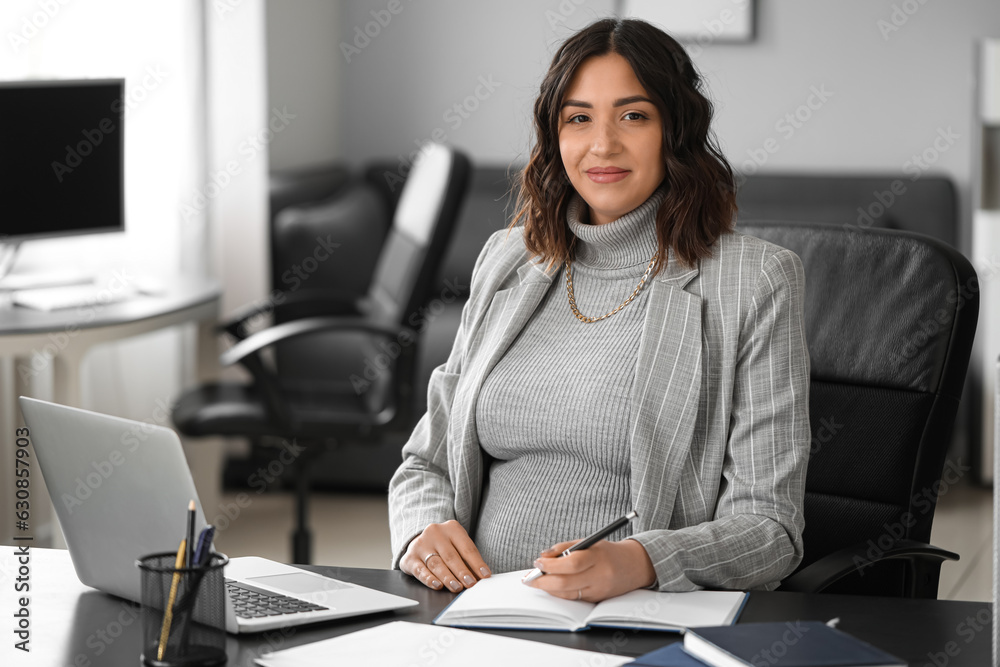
(420, 491)
(755, 536)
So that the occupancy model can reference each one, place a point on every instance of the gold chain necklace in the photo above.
(572, 300)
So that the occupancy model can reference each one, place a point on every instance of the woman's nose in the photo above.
(605, 140)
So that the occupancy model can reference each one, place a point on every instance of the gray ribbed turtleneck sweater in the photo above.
(554, 413)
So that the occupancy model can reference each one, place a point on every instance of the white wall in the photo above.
(303, 75)
(405, 82)
(892, 90)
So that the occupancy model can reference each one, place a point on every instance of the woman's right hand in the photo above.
(444, 554)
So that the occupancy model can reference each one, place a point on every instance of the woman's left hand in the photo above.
(603, 571)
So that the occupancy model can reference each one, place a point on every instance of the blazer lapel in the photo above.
(506, 316)
(666, 394)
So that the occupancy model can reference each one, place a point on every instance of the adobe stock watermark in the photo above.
(105, 636)
(294, 277)
(615, 645)
(435, 647)
(258, 480)
(93, 477)
(967, 629)
(942, 318)
(363, 35)
(273, 640)
(417, 321)
(923, 501)
(828, 428)
(454, 116)
(40, 359)
(32, 24)
(91, 138)
(779, 647)
(249, 148)
(787, 126)
(915, 167)
(714, 28)
(224, 7)
(562, 13)
(898, 17)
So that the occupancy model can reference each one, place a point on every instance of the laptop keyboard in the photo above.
(255, 603)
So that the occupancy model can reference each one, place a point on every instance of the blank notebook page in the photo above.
(505, 592)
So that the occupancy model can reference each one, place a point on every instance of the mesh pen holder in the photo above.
(193, 631)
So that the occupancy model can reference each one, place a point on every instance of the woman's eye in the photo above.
(581, 118)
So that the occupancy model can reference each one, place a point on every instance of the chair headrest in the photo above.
(423, 195)
(884, 307)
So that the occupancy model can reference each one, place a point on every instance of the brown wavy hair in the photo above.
(700, 204)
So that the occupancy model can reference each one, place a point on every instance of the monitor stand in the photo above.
(8, 253)
(34, 279)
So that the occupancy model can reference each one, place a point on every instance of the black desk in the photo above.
(91, 628)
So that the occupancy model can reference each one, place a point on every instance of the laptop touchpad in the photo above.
(299, 582)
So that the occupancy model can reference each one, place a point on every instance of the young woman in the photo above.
(622, 348)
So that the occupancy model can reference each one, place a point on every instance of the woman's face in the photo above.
(610, 138)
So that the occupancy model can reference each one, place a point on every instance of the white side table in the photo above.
(63, 338)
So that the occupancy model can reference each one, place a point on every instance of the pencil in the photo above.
(168, 614)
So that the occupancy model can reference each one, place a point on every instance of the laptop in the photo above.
(121, 489)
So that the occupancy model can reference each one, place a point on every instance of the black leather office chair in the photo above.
(316, 414)
(890, 319)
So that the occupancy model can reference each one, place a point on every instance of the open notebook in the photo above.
(502, 601)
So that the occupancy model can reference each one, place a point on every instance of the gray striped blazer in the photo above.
(720, 433)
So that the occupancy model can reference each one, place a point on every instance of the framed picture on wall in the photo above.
(697, 21)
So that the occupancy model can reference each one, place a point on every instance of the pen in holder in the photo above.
(183, 611)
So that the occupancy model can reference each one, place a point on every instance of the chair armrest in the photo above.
(246, 351)
(856, 558)
(309, 325)
(327, 302)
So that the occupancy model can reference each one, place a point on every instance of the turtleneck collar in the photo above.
(621, 243)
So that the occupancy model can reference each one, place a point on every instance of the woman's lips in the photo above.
(607, 175)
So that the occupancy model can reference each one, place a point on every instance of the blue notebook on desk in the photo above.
(502, 601)
(788, 644)
(673, 655)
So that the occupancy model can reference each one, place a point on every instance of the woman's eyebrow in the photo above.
(617, 103)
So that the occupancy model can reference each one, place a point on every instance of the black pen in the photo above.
(189, 556)
(586, 543)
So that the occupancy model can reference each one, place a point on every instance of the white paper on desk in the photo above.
(402, 644)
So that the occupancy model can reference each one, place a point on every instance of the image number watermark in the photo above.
(22, 555)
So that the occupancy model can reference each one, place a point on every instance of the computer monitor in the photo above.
(62, 148)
